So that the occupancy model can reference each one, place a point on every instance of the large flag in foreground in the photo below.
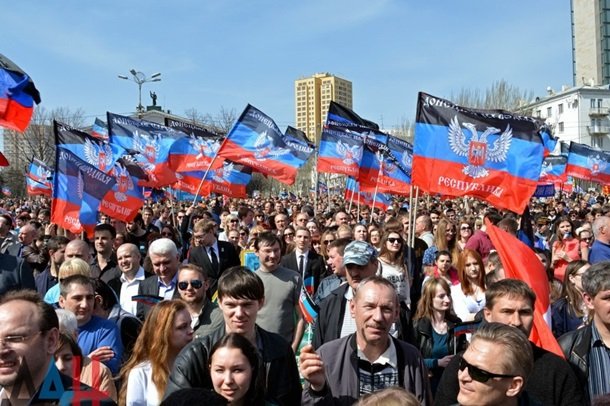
(342, 141)
(256, 141)
(17, 96)
(491, 154)
(77, 192)
(585, 162)
(520, 262)
(196, 151)
(150, 142)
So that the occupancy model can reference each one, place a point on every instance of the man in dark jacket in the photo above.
(368, 360)
(551, 382)
(586, 349)
(15, 274)
(241, 294)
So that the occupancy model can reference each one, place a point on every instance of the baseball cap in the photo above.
(359, 253)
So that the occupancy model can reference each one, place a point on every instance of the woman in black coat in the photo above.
(433, 325)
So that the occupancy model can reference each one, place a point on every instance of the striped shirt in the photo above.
(599, 365)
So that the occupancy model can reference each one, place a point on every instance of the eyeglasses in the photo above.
(288, 234)
(195, 283)
(233, 221)
(587, 239)
(478, 374)
(242, 234)
(326, 242)
(11, 341)
(394, 240)
(452, 231)
(465, 228)
(167, 234)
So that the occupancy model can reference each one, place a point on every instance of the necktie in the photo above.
(214, 259)
(301, 263)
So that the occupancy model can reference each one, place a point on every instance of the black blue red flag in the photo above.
(301, 147)
(493, 155)
(402, 151)
(256, 141)
(379, 169)
(17, 96)
(196, 151)
(34, 188)
(39, 178)
(585, 162)
(77, 192)
(342, 141)
(149, 143)
(92, 150)
(554, 169)
(100, 130)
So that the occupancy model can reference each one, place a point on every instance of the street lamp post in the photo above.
(140, 78)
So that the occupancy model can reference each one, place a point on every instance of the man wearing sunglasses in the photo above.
(192, 285)
(495, 367)
(551, 382)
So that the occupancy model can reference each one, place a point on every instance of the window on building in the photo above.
(592, 103)
(538, 113)
(549, 111)
(597, 141)
(599, 103)
(560, 127)
(560, 108)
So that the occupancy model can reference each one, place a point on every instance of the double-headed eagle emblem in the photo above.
(597, 163)
(266, 148)
(477, 149)
(221, 175)
(98, 154)
(350, 154)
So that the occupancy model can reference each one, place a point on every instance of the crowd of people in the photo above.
(277, 301)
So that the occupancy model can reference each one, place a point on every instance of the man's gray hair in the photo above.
(163, 246)
(598, 224)
(596, 278)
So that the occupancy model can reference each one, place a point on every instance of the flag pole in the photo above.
(171, 202)
(208, 170)
(316, 181)
(380, 173)
(328, 188)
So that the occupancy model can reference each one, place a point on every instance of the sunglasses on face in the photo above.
(465, 228)
(242, 234)
(195, 283)
(233, 221)
(478, 374)
(394, 240)
(288, 234)
(326, 242)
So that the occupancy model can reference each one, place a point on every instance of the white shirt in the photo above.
(141, 391)
(129, 289)
(304, 254)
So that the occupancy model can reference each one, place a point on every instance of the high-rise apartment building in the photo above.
(312, 95)
(591, 42)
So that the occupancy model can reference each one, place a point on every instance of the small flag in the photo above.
(308, 307)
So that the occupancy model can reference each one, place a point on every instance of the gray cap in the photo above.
(359, 253)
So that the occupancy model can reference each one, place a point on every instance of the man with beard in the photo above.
(192, 285)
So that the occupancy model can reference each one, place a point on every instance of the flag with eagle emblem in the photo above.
(494, 155)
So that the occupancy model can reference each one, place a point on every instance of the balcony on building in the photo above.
(599, 111)
(598, 129)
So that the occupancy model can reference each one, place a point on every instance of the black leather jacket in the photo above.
(422, 336)
(575, 346)
(281, 379)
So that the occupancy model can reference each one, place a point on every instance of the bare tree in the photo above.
(500, 95)
(221, 123)
(37, 141)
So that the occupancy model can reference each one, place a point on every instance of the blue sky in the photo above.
(230, 53)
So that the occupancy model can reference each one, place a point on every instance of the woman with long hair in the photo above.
(569, 311)
(444, 240)
(393, 267)
(166, 331)
(469, 294)
(234, 368)
(327, 237)
(565, 249)
(432, 330)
